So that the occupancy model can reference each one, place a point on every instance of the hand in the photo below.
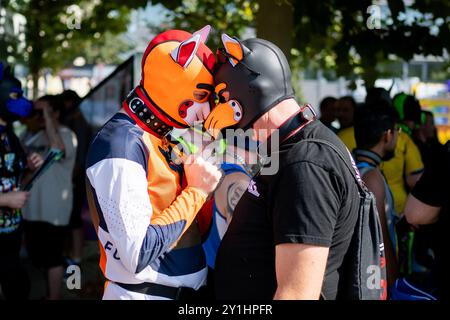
(46, 111)
(201, 174)
(15, 199)
(35, 161)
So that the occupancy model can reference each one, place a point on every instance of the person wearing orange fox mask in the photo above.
(142, 203)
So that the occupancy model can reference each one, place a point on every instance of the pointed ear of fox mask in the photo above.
(204, 33)
(185, 52)
(234, 48)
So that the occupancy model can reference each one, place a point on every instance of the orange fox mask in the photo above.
(176, 82)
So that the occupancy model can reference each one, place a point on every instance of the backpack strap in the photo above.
(364, 168)
(353, 171)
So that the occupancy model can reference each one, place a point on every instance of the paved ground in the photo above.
(91, 278)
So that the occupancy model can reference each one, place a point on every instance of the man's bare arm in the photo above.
(411, 179)
(417, 212)
(300, 270)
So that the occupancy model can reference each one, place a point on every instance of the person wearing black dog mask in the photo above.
(290, 231)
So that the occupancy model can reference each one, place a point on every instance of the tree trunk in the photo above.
(35, 79)
(275, 22)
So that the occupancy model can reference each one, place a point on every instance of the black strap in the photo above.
(361, 186)
(155, 289)
(291, 125)
(368, 154)
(305, 116)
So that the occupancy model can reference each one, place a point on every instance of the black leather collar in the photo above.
(144, 116)
(292, 126)
(148, 115)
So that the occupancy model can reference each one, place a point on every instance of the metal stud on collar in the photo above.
(146, 115)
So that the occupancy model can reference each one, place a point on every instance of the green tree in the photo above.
(275, 22)
(355, 38)
(56, 32)
(225, 16)
(346, 37)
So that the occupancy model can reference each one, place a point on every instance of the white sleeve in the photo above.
(121, 189)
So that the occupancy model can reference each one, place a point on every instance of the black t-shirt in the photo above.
(313, 199)
(433, 189)
(12, 165)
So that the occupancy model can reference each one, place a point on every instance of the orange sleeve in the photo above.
(185, 207)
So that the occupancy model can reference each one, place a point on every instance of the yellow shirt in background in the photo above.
(347, 136)
(407, 160)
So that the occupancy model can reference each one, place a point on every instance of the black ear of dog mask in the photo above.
(260, 81)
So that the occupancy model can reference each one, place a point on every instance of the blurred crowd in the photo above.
(396, 149)
(41, 199)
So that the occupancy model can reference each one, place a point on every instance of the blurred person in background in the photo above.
(374, 95)
(328, 112)
(402, 173)
(376, 136)
(72, 117)
(14, 280)
(426, 139)
(47, 212)
(429, 203)
(345, 109)
(426, 239)
(404, 169)
(409, 111)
